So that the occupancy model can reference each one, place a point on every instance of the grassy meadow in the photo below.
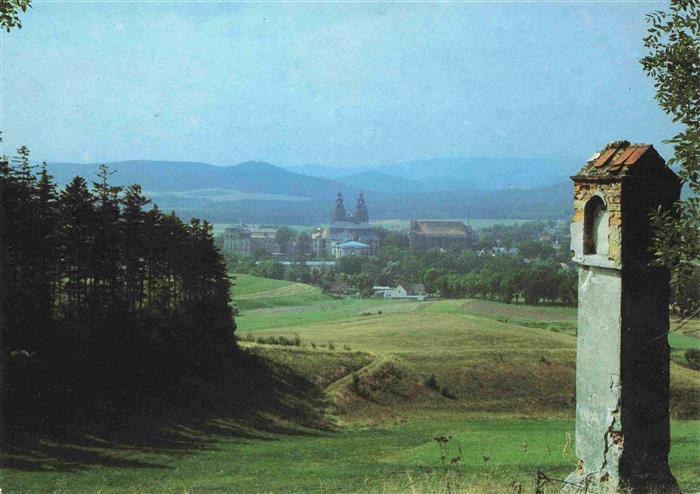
(252, 292)
(358, 405)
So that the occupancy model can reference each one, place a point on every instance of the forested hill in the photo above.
(254, 177)
(257, 192)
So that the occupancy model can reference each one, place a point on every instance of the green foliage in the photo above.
(391, 238)
(9, 13)
(536, 275)
(464, 274)
(445, 391)
(269, 269)
(278, 340)
(431, 383)
(356, 383)
(536, 250)
(299, 272)
(302, 246)
(673, 62)
(111, 300)
(448, 458)
(284, 238)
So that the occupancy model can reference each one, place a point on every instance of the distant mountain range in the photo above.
(180, 176)
(258, 192)
(450, 173)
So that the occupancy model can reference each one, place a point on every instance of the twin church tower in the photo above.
(361, 215)
(347, 234)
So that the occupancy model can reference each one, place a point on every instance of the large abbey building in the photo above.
(347, 234)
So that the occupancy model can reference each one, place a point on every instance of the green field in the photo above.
(252, 292)
(353, 411)
(380, 459)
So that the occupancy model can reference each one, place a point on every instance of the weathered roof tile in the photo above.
(605, 157)
(636, 154)
(620, 159)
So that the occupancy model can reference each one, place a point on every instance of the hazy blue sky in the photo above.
(355, 83)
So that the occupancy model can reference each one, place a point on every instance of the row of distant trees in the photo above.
(101, 294)
(458, 274)
(292, 242)
(450, 274)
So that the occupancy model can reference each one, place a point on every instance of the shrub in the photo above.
(347, 348)
(331, 346)
(431, 383)
(313, 344)
(447, 394)
(356, 382)
(279, 340)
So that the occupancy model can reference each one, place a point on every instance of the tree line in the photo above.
(543, 278)
(459, 274)
(102, 295)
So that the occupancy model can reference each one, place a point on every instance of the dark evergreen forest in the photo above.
(108, 305)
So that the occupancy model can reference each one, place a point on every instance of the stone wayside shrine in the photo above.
(622, 363)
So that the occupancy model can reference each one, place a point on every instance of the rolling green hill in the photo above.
(490, 357)
(355, 407)
(253, 292)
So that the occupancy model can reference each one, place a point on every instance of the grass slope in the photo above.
(359, 417)
(253, 292)
(497, 451)
(486, 359)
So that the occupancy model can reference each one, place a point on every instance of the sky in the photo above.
(337, 84)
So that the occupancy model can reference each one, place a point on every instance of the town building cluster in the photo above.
(347, 234)
(426, 235)
(350, 233)
(245, 241)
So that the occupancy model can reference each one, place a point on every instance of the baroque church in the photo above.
(347, 234)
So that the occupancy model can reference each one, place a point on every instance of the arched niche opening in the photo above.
(596, 227)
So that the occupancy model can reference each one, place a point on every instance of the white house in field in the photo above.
(380, 291)
(415, 291)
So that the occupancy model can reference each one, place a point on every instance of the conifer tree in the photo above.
(107, 264)
(77, 240)
(135, 244)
